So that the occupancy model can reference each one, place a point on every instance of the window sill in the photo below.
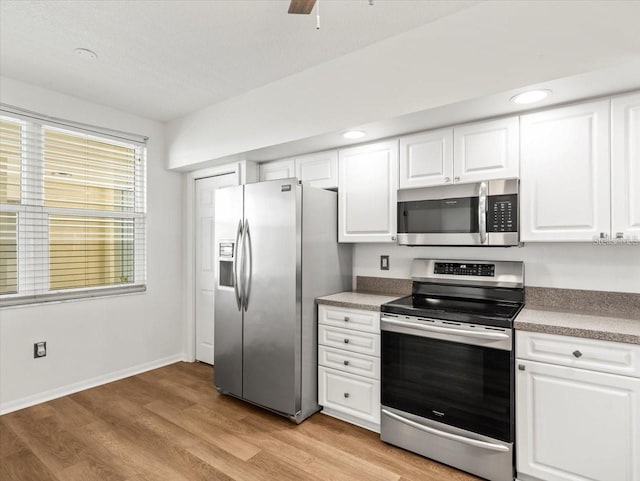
(58, 297)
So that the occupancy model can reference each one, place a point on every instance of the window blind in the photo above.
(73, 210)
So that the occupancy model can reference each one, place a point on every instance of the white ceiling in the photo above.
(164, 59)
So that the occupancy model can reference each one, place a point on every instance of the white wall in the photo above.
(482, 50)
(568, 266)
(96, 340)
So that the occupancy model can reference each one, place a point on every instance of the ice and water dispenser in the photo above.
(225, 263)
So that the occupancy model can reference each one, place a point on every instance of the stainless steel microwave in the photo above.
(481, 214)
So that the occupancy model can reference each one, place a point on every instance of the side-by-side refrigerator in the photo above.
(277, 250)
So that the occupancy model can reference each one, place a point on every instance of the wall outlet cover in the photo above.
(384, 263)
(39, 349)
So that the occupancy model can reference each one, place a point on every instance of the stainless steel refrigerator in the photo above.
(277, 250)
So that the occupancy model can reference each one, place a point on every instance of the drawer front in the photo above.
(592, 354)
(346, 361)
(354, 395)
(368, 321)
(349, 340)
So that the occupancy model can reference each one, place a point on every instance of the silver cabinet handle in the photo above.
(495, 336)
(236, 264)
(577, 353)
(346, 319)
(247, 272)
(346, 341)
(456, 178)
(446, 435)
(346, 363)
(447, 179)
(619, 235)
(482, 212)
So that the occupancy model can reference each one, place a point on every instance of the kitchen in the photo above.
(454, 142)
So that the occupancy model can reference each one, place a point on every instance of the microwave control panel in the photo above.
(502, 213)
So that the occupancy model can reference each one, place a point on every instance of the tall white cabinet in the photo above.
(577, 408)
(367, 192)
(565, 166)
(625, 166)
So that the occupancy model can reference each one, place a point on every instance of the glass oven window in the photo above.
(465, 386)
(443, 216)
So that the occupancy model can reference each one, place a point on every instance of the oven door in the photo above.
(458, 375)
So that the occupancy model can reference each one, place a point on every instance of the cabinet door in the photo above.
(625, 166)
(318, 170)
(486, 151)
(277, 169)
(576, 424)
(565, 189)
(426, 159)
(368, 191)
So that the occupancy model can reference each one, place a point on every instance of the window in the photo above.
(72, 219)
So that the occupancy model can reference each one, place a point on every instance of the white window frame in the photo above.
(33, 253)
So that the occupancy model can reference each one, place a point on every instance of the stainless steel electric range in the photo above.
(448, 365)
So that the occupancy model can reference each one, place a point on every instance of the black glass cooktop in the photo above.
(483, 312)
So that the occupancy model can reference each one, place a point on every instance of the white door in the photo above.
(426, 159)
(565, 190)
(277, 169)
(318, 170)
(368, 193)
(625, 166)
(205, 261)
(486, 151)
(573, 424)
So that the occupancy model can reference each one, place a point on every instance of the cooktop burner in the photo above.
(488, 313)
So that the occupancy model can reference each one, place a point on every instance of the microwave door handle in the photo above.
(482, 212)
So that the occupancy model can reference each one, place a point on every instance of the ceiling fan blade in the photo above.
(301, 6)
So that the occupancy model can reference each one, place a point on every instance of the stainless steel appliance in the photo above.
(447, 382)
(277, 251)
(482, 214)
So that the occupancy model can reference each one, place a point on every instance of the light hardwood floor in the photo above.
(171, 424)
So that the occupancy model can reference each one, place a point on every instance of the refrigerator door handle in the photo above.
(247, 272)
(237, 288)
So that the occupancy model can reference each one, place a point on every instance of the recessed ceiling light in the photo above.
(353, 134)
(530, 96)
(86, 54)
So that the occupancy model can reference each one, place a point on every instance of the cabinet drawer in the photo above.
(342, 360)
(591, 354)
(354, 395)
(349, 340)
(368, 321)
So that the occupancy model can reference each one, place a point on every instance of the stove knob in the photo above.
(346, 395)
(346, 341)
(577, 353)
(346, 363)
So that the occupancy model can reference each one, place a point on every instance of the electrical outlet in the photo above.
(384, 263)
(39, 349)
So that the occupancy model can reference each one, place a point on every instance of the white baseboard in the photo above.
(27, 401)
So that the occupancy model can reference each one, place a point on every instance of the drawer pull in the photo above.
(346, 395)
(577, 353)
(346, 341)
(346, 319)
(346, 363)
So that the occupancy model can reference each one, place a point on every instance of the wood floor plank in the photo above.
(170, 424)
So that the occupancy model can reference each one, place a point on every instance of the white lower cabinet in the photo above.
(349, 365)
(575, 423)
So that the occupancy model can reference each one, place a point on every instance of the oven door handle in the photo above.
(444, 434)
(494, 336)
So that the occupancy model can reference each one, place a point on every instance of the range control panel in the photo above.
(502, 213)
(464, 269)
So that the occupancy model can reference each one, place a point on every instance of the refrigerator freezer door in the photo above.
(272, 325)
(227, 376)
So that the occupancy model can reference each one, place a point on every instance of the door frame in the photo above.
(245, 172)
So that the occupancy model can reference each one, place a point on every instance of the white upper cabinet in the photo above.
(367, 193)
(486, 151)
(318, 170)
(277, 169)
(426, 159)
(565, 184)
(625, 166)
